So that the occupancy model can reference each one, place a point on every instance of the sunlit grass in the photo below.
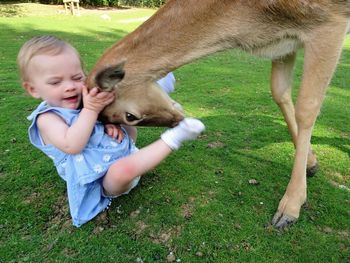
(198, 204)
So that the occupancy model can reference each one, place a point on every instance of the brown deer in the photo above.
(184, 30)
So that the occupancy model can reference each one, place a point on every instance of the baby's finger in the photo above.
(93, 92)
(110, 100)
(104, 94)
(115, 133)
(120, 135)
(109, 131)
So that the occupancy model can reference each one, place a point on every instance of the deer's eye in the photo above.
(130, 117)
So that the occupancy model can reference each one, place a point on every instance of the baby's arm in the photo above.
(72, 139)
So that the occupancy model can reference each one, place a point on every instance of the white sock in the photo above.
(167, 83)
(188, 129)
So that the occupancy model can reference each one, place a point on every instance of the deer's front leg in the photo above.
(322, 52)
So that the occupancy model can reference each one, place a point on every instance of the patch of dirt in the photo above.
(60, 217)
(135, 213)
(214, 145)
(206, 198)
(187, 208)
(165, 236)
(102, 222)
(140, 228)
(344, 234)
(187, 211)
(33, 198)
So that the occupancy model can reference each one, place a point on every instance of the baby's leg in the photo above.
(122, 172)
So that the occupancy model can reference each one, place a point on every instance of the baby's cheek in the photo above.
(80, 87)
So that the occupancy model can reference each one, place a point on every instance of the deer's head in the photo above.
(136, 103)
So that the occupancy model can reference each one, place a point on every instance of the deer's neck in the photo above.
(176, 35)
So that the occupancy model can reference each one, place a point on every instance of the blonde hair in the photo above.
(48, 45)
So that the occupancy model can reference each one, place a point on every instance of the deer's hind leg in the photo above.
(322, 51)
(281, 89)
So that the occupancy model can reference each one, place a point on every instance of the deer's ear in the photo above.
(107, 78)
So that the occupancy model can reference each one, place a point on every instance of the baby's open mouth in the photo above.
(72, 98)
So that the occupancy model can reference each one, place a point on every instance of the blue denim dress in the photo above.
(82, 172)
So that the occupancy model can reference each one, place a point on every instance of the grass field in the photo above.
(197, 205)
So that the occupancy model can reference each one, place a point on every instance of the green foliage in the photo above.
(197, 204)
(10, 10)
(143, 3)
(110, 3)
(137, 3)
(47, 2)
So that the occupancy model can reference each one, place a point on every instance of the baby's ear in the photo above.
(31, 90)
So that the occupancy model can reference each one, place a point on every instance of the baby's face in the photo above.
(57, 79)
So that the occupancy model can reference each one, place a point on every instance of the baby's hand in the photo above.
(95, 100)
(115, 131)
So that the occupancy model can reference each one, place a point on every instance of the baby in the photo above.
(97, 162)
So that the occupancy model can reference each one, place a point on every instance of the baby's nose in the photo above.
(70, 85)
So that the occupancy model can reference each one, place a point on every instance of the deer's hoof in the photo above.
(282, 221)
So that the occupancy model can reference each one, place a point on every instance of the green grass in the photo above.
(197, 204)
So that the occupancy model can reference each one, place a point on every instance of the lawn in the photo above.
(198, 205)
